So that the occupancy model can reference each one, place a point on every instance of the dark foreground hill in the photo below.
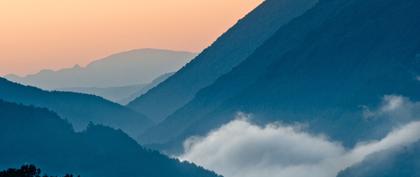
(38, 136)
(78, 109)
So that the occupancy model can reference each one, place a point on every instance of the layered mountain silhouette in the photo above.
(133, 67)
(38, 136)
(318, 69)
(123, 94)
(78, 109)
(114, 94)
(145, 89)
(346, 70)
(392, 163)
(225, 53)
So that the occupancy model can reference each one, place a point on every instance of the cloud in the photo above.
(394, 107)
(242, 149)
(392, 103)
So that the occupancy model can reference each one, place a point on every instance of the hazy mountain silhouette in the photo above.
(79, 109)
(38, 136)
(318, 69)
(122, 95)
(225, 53)
(127, 68)
(115, 94)
(394, 163)
(146, 88)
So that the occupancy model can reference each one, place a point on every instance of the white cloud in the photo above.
(242, 149)
(394, 106)
(392, 103)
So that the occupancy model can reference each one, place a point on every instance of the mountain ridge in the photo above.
(121, 95)
(138, 66)
(39, 136)
(79, 109)
(341, 64)
(226, 52)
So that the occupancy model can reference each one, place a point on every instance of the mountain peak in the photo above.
(225, 53)
(132, 67)
(77, 66)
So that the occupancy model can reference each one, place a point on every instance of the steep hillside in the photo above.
(320, 69)
(38, 136)
(225, 53)
(395, 163)
(79, 109)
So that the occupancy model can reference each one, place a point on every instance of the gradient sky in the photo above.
(52, 34)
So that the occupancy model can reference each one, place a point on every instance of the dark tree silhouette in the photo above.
(25, 171)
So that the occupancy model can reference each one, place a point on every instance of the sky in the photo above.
(51, 34)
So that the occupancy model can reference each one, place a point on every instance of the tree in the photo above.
(25, 171)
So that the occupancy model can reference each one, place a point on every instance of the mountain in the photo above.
(127, 68)
(123, 94)
(79, 109)
(38, 136)
(394, 163)
(114, 94)
(224, 54)
(320, 69)
(146, 88)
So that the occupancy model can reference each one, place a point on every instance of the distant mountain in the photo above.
(38, 136)
(115, 94)
(228, 51)
(146, 88)
(127, 68)
(122, 95)
(78, 109)
(320, 69)
(394, 163)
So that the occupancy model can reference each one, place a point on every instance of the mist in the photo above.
(243, 149)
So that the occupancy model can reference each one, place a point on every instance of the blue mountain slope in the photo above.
(396, 163)
(79, 109)
(225, 53)
(38, 136)
(208, 99)
(319, 69)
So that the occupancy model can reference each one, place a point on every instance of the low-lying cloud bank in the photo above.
(242, 149)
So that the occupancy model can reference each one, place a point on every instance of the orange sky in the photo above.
(52, 34)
